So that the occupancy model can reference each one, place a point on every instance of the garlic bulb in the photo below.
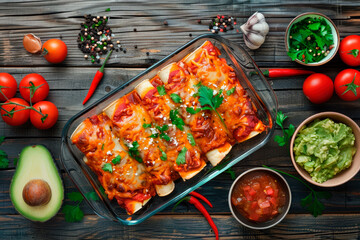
(255, 30)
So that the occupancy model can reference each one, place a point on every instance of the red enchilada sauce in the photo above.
(258, 197)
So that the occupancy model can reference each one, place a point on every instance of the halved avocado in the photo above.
(36, 189)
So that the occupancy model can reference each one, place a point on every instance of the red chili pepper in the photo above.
(285, 72)
(97, 78)
(198, 195)
(203, 210)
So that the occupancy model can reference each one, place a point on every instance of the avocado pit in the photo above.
(36, 192)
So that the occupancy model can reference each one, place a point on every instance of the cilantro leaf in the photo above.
(146, 125)
(116, 160)
(2, 139)
(163, 128)
(165, 137)
(206, 98)
(75, 197)
(161, 90)
(192, 110)
(181, 158)
(191, 139)
(176, 120)
(4, 161)
(163, 155)
(314, 26)
(107, 167)
(102, 146)
(287, 133)
(107, 10)
(176, 98)
(154, 135)
(231, 91)
(231, 172)
(72, 213)
(134, 151)
(15, 161)
(92, 196)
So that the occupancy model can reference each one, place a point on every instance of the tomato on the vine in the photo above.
(8, 86)
(347, 84)
(34, 84)
(55, 50)
(49, 117)
(10, 112)
(318, 88)
(349, 50)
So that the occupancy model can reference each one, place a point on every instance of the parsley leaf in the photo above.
(107, 167)
(192, 110)
(191, 139)
(72, 213)
(161, 90)
(163, 155)
(287, 133)
(134, 151)
(176, 120)
(92, 196)
(206, 98)
(181, 158)
(231, 91)
(176, 98)
(75, 196)
(146, 125)
(311, 202)
(116, 160)
(4, 161)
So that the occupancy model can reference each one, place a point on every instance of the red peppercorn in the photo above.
(221, 30)
(222, 16)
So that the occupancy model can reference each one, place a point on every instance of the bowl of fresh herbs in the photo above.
(312, 39)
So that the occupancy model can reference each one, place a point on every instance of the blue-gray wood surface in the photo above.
(70, 80)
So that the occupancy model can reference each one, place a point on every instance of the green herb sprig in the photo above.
(73, 213)
(134, 151)
(312, 201)
(287, 133)
(209, 101)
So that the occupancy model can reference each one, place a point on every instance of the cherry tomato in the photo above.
(347, 85)
(47, 108)
(8, 86)
(349, 50)
(318, 88)
(55, 50)
(15, 118)
(37, 84)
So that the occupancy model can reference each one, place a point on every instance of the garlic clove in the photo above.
(255, 30)
(32, 43)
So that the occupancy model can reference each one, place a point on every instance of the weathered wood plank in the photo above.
(62, 19)
(182, 227)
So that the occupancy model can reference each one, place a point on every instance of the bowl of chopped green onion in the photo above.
(312, 39)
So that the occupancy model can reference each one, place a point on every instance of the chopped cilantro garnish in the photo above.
(134, 151)
(231, 91)
(176, 98)
(146, 125)
(161, 90)
(162, 130)
(102, 147)
(176, 120)
(181, 158)
(116, 160)
(107, 167)
(163, 155)
(191, 139)
(192, 110)
(155, 135)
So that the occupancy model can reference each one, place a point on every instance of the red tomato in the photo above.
(347, 85)
(47, 108)
(56, 50)
(36, 83)
(318, 88)
(349, 50)
(17, 118)
(8, 86)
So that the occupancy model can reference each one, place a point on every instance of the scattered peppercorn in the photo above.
(135, 46)
(165, 23)
(135, 29)
(199, 21)
(190, 35)
(222, 24)
(147, 53)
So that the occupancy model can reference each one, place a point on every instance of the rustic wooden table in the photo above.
(69, 83)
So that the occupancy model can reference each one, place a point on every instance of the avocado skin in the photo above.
(36, 162)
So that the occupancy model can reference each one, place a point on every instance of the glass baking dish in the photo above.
(250, 78)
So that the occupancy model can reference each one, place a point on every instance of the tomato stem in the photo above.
(24, 108)
(350, 87)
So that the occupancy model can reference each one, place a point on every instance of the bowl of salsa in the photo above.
(259, 198)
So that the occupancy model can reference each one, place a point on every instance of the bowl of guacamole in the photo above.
(325, 149)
